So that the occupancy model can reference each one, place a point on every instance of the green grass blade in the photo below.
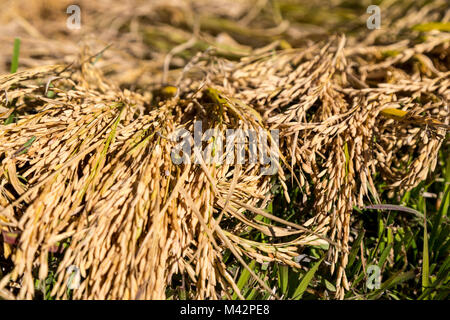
(424, 27)
(443, 211)
(306, 280)
(283, 277)
(15, 57)
(11, 118)
(385, 254)
(441, 278)
(396, 279)
(243, 278)
(355, 248)
(426, 258)
(25, 147)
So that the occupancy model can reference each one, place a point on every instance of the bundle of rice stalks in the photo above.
(88, 173)
(338, 132)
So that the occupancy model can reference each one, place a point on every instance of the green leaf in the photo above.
(396, 279)
(437, 221)
(380, 227)
(283, 277)
(306, 280)
(355, 248)
(252, 294)
(25, 147)
(11, 118)
(243, 278)
(426, 258)
(441, 26)
(329, 285)
(384, 255)
(15, 57)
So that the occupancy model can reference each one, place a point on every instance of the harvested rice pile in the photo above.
(86, 168)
